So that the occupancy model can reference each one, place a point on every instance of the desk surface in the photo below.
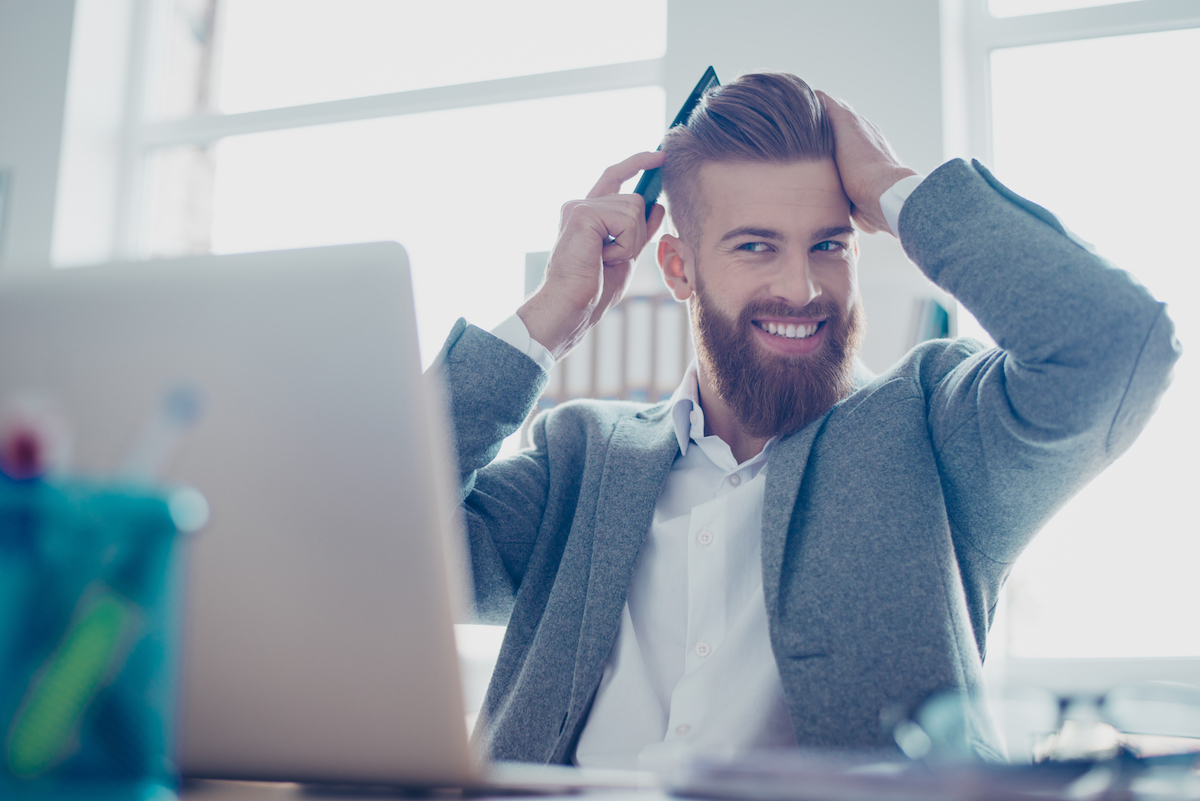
(267, 791)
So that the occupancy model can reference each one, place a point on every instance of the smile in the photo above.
(789, 330)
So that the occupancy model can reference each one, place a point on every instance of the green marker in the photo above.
(63, 689)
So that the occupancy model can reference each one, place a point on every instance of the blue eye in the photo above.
(754, 247)
(829, 244)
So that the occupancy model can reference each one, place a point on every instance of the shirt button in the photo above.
(682, 728)
(705, 538)
(703, 649)
(735, 480)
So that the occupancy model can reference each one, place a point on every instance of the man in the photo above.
(786, 550)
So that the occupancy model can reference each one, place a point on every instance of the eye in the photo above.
(829, 244)
(754, 247)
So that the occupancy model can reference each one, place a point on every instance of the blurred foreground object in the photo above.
(90, 605)
(35, 436)
(1145, 720)
(812, 775)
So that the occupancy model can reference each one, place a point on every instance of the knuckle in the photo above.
(570, 209)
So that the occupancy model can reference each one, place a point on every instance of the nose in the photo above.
(795, 282)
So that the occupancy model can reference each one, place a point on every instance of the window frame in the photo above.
(141, 135)
(970, 35)
(978, 33)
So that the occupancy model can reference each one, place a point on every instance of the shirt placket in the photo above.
(708, 538)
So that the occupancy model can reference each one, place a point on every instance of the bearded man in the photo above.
(788, 549)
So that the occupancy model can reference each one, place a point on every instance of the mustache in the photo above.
(821, 307)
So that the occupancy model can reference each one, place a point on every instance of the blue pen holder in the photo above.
(90, 612)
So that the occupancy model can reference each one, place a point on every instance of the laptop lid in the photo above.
(319, 641)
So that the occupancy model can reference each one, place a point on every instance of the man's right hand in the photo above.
(599, 239)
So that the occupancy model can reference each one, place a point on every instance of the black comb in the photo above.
(650, 184)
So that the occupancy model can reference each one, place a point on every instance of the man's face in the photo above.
(773, 289)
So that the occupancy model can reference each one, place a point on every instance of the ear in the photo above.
(675, 260)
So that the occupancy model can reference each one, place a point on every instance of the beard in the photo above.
(772, 394)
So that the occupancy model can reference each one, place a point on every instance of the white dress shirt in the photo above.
(692, 669)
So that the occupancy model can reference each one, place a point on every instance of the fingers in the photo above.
(627, 229)
(867, 224)
(839, 111)
(612, 178)
(834, 104)
(865, 161)
(616, 223)
(855, 134)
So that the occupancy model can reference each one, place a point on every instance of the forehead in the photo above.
(791, 196)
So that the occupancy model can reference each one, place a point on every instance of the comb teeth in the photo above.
(649, 186)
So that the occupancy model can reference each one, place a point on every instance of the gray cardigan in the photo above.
(889, 524)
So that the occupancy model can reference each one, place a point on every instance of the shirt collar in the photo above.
(688, 416)
(686, 400)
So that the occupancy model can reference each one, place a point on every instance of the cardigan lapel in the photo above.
(639, 457)
(785, 472)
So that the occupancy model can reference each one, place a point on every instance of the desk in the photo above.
(263, 791)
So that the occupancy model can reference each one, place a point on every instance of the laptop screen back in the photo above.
(319, 644)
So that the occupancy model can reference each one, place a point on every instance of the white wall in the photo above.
(35, 46)
(882, 56)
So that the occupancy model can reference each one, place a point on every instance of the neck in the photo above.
(720, 421)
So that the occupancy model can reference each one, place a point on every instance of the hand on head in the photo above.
(599, 239)
(866, 162)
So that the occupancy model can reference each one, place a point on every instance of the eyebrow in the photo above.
(830, 232)
(757, 233)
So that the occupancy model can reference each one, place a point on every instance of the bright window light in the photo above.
(1102, 132)
(468, 192)
(289, 52)
(1017, 8)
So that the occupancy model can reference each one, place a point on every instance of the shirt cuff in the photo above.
(892, 200)
(514, 332)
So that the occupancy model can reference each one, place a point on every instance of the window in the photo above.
(1100, 130)
(468, 191)
(1096, 126)
(281, 123)
(292, 52)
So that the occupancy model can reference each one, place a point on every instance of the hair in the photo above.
(761, 116)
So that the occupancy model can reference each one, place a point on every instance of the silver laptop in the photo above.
(319, 641)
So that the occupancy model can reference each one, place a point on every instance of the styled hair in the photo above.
(761, 116)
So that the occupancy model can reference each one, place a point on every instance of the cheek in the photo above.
(850, 288)
(844, 281)
(729, 286)
(735, 296)
(838, 278)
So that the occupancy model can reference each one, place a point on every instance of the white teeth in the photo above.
(791, 330)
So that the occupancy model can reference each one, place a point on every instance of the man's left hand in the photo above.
(865, 161)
